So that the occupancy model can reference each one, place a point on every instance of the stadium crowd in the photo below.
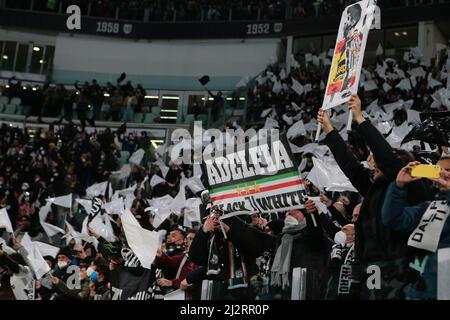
(108, 103)
(194, 10)
(367, 220)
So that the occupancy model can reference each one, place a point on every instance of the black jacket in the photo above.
(309, 251)
(373, 241)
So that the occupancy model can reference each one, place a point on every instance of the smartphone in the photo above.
(426, 171)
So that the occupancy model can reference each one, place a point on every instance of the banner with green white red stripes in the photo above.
(280, 190)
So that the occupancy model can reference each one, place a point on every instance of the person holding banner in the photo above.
(229, 260)
(426, 224)
(374, 242)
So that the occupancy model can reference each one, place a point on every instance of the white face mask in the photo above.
(340, 238)
(62, 264)
(89, 271)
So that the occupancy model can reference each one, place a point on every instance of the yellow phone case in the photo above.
(426, 171)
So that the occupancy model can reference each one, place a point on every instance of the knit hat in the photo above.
(65, 252)
(51, 259)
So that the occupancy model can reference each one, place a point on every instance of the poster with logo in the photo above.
(346, 65)
(259, 177)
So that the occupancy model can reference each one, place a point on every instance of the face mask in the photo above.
(24, 188)
(94, 276)
(89, 271)
(62, 264)
(340, 238)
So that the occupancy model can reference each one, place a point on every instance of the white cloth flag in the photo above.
(289, 121)
(136, 158)
(322, 208)
(155, 180)
(64, 201)
(161, 208)
(5, 222)
(51, 230)
(329, 176)
(276, 87)
(271, 124)
(405, 84)
(345, 71)
(46, 249)
(195, 184)
(144, 243)
(298, 129)
(297, 87)
(266, 112)
(86, 204)
(386, 87)
(116, 206)
(97, 189)
(370, 85)
(192, 210)
(35, 259)
(417, 72)
(163, 167)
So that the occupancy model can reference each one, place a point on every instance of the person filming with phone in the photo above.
(427, 224)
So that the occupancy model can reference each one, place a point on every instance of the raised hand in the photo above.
(310, 206)
(404, 176)
(324, 119)
(210, 224)
(355, 108)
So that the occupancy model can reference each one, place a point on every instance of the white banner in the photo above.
(348, 56)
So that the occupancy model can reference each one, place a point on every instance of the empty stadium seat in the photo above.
(149, 118)
(16, 101)
(138, 117)
(10, 109)
(189, 119)
(202, 118)
(4, 100)
(124, 156)
(156, 111)
(239, 112)
(105, 112)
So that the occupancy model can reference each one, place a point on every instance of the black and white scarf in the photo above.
(428, 232)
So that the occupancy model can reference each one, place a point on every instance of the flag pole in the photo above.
(350, 120)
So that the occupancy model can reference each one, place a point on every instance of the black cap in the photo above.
(65, 252)
(204, 80)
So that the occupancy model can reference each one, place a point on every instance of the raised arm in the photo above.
(395, 213)
(349, 164)
(250, 240)
(386, 158)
